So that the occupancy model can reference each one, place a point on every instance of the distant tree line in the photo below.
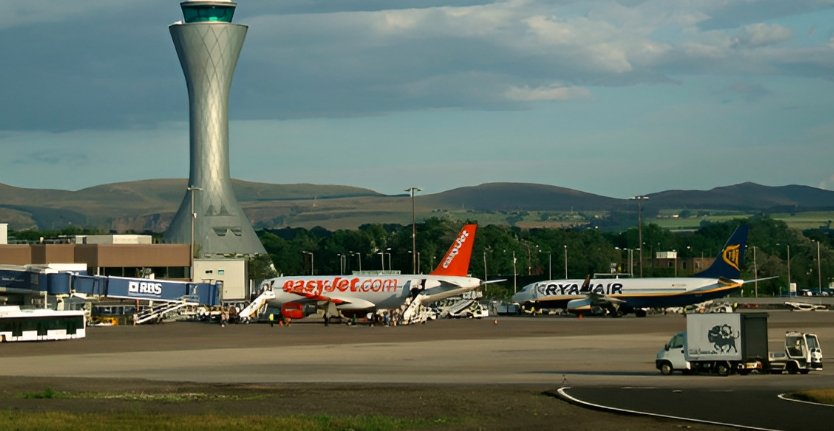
(540, 253)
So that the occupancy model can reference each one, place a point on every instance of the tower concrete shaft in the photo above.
(208, 50)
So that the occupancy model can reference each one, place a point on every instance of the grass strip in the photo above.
(822, 396)
(172, 397)
(58, 420)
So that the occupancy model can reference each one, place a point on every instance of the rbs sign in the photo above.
(142, 287)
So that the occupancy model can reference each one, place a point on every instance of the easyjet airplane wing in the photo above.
(350, 303)
(437, 294)
(319, 297)
(343, 302)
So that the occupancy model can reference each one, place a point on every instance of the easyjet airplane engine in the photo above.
(296, 310)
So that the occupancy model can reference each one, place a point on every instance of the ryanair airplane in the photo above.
(633, 295)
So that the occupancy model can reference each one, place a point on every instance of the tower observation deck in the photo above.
(208, 46)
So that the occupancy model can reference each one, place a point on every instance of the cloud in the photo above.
(722, 14)
(827, 184)
(43, 159)
(553, 92)
(761, 34)
(747, 91)
(22, 13)
(313, 59)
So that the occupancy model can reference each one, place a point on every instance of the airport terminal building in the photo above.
(116, 255)
(129, 256)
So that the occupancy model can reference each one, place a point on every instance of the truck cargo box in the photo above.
(726, 337)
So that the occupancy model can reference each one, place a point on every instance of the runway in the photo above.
(603, 359)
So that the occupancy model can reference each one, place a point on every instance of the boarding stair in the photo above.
(156, 313)
(456, 308)
(256, 307)
(411, 311)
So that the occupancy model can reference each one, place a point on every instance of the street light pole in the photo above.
(341, 263)
(640, 229)
(486, 274)
(389, 259)
(819, 269)
(566, 261)
(755, 276)
(789, 269)
(418, 260)
(515, 286)
(312, 262)
(550, 265)
(191, 190)
(413, 190)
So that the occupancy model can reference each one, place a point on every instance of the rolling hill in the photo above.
(149, 205)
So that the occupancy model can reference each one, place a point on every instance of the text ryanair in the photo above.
(547, 289)
(144, 287)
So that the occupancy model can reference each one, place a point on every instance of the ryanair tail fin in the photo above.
(728, 263)
(456, 260)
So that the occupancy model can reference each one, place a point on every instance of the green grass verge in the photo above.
(57, 420)
(823, 396)
(138, 419)
(174, 397)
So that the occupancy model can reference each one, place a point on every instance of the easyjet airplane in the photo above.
(354, 294)
(626, 295)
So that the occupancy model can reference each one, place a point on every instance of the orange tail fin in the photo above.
(456, 260)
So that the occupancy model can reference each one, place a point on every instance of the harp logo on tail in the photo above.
(731, 255)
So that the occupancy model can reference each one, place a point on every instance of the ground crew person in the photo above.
(271, 320)
(281, 320)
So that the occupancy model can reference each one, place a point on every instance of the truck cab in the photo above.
(802, 354)
(671, 357)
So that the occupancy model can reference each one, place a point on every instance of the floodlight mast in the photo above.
(640, 229)
(413, 190)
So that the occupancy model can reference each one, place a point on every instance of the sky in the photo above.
(611, 97)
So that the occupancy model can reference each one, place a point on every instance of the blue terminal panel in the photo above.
(207, 12)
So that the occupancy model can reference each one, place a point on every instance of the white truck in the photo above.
(802, 354)
(724, 343)
(467, 309)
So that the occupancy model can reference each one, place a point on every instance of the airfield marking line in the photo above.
(784, 397)
(563, 393)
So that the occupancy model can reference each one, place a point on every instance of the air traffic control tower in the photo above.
(208, 45)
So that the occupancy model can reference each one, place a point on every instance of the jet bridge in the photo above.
(147, 290)
(39, 281)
